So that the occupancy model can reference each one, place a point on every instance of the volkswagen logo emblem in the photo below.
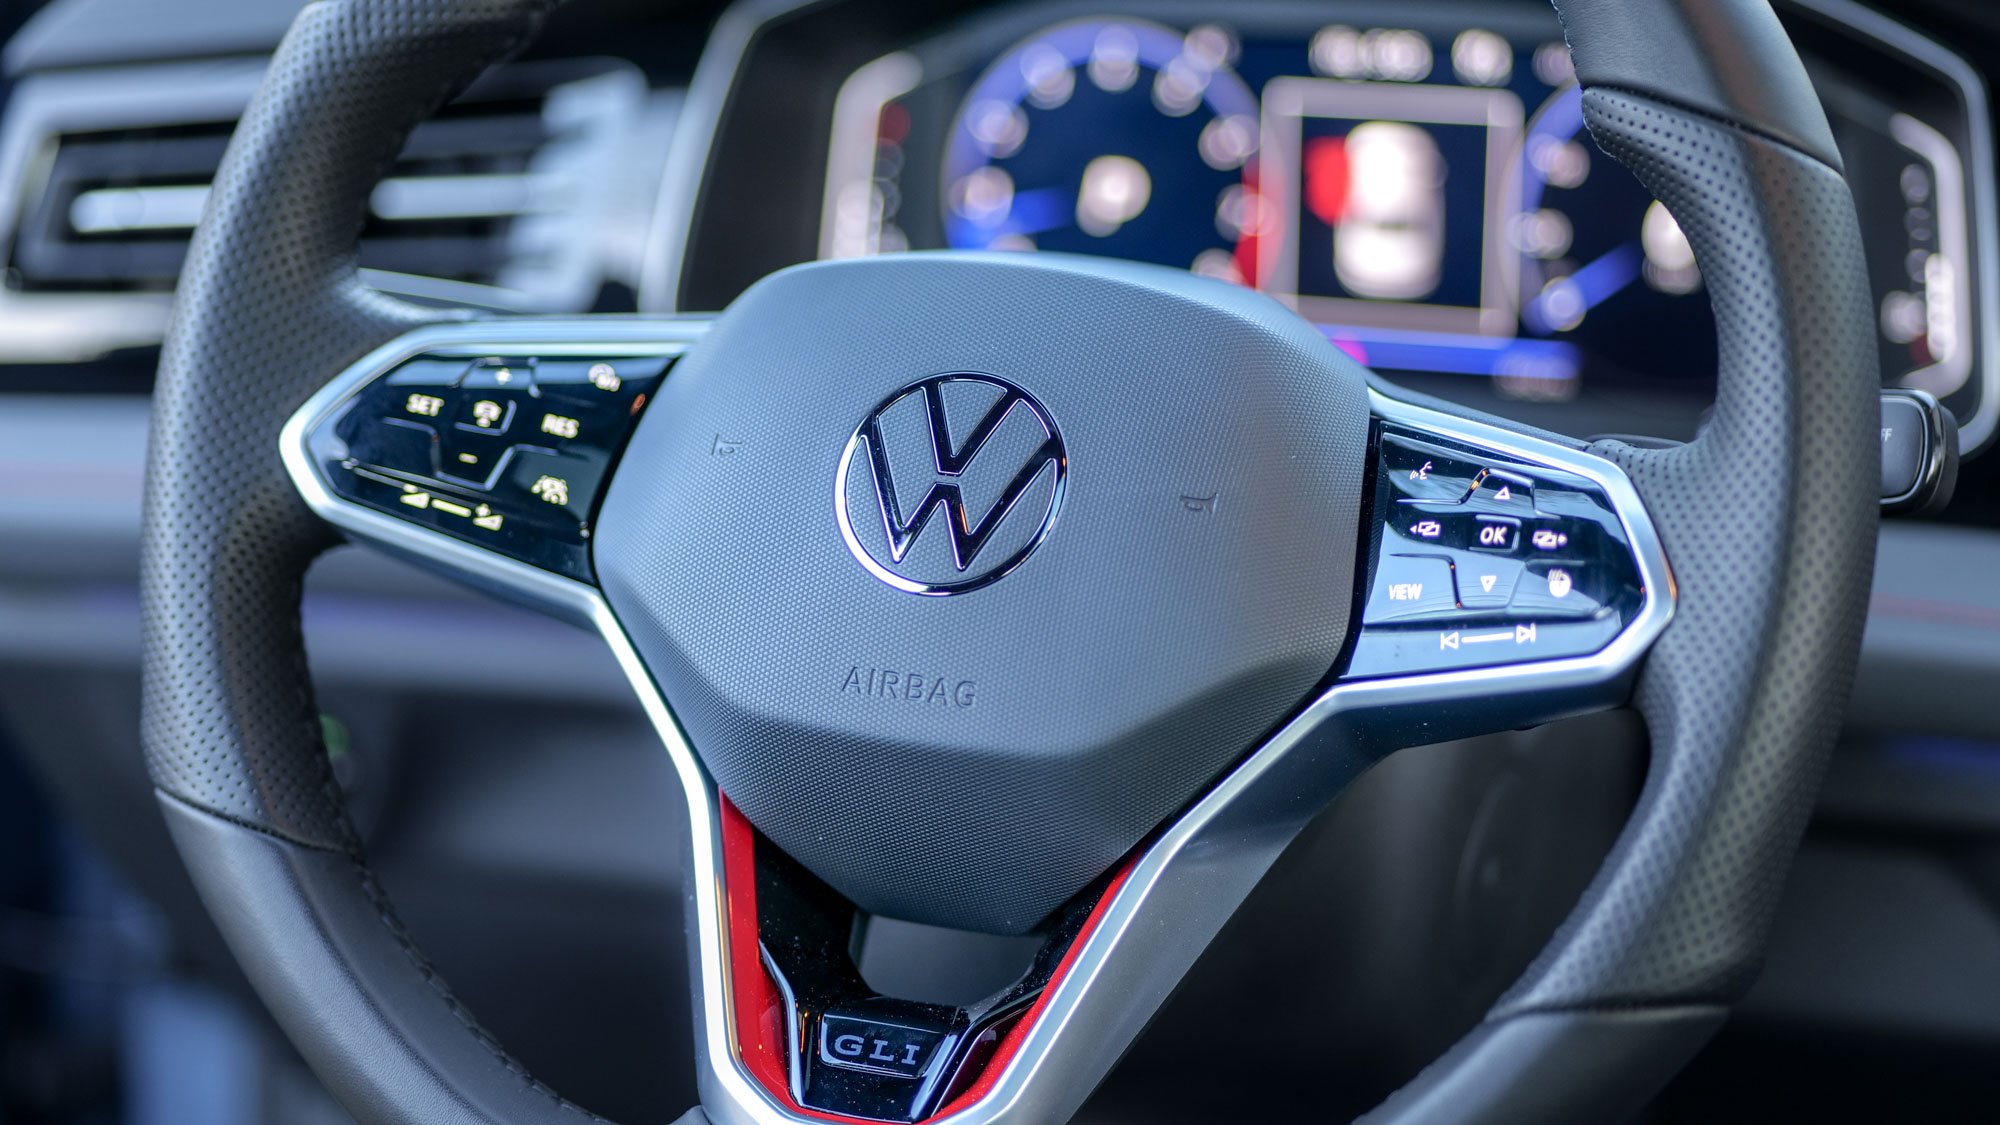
(950, 483)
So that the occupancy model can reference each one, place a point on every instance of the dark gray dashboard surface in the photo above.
(95, 32)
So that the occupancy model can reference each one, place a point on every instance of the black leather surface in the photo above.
(321, 945)
(1141, 649)
(1769, 522)
(1725, 59)
(1553, 1068)
(268, 309)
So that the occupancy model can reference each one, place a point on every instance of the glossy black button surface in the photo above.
(498, 374)
(1549, 537)
(1904, 443)
(396, 443)
(427, 405)
(1504, 493)
(1566, 589)
(1540, 563)
(1421, 472)
(541, 484)
(487, 412)
(1381, 651)
(1498, 535)
(1485, 582)
(472, 458)
(1411, 586)
(510, 452)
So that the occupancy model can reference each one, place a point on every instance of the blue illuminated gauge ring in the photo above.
(1546, 311)
(1006, 82)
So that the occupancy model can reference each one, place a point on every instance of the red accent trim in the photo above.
(1963, 614)
(760, 1025)
(760, 1039)
(1011, 1043)
(760, 1020)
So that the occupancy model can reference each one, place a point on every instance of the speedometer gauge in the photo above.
(1119, 138)
(1423, 191)
(1603, 264)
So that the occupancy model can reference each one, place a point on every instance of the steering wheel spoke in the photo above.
(482, 448)
(1512, 578)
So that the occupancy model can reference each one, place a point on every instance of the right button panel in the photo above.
(1484, 560)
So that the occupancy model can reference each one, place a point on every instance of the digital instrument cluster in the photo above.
(1427, 194)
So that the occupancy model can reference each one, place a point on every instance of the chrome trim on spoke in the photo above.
(1196, 872)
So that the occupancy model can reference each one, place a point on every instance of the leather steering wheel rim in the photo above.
(1768, 519)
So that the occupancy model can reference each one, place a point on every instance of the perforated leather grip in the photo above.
(1769, 521)
(269, 308)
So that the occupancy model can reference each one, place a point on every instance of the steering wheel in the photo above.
(1015, 594)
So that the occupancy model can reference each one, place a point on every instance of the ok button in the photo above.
(1498, 534)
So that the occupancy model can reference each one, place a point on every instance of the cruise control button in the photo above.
(472, 458)
(1409, 586)
(423, 405)
(599, 379)
(1485, 582)
(498, 375)
(556, 427)
(550, 485)
(490, 413)
(395, 443)
(1565, 588)
(1495, 534)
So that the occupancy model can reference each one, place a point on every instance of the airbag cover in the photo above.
(973, 759)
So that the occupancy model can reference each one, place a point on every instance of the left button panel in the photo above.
(483, 449)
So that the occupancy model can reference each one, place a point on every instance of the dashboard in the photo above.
(1416, 180)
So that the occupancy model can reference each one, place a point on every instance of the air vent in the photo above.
(500, 201)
